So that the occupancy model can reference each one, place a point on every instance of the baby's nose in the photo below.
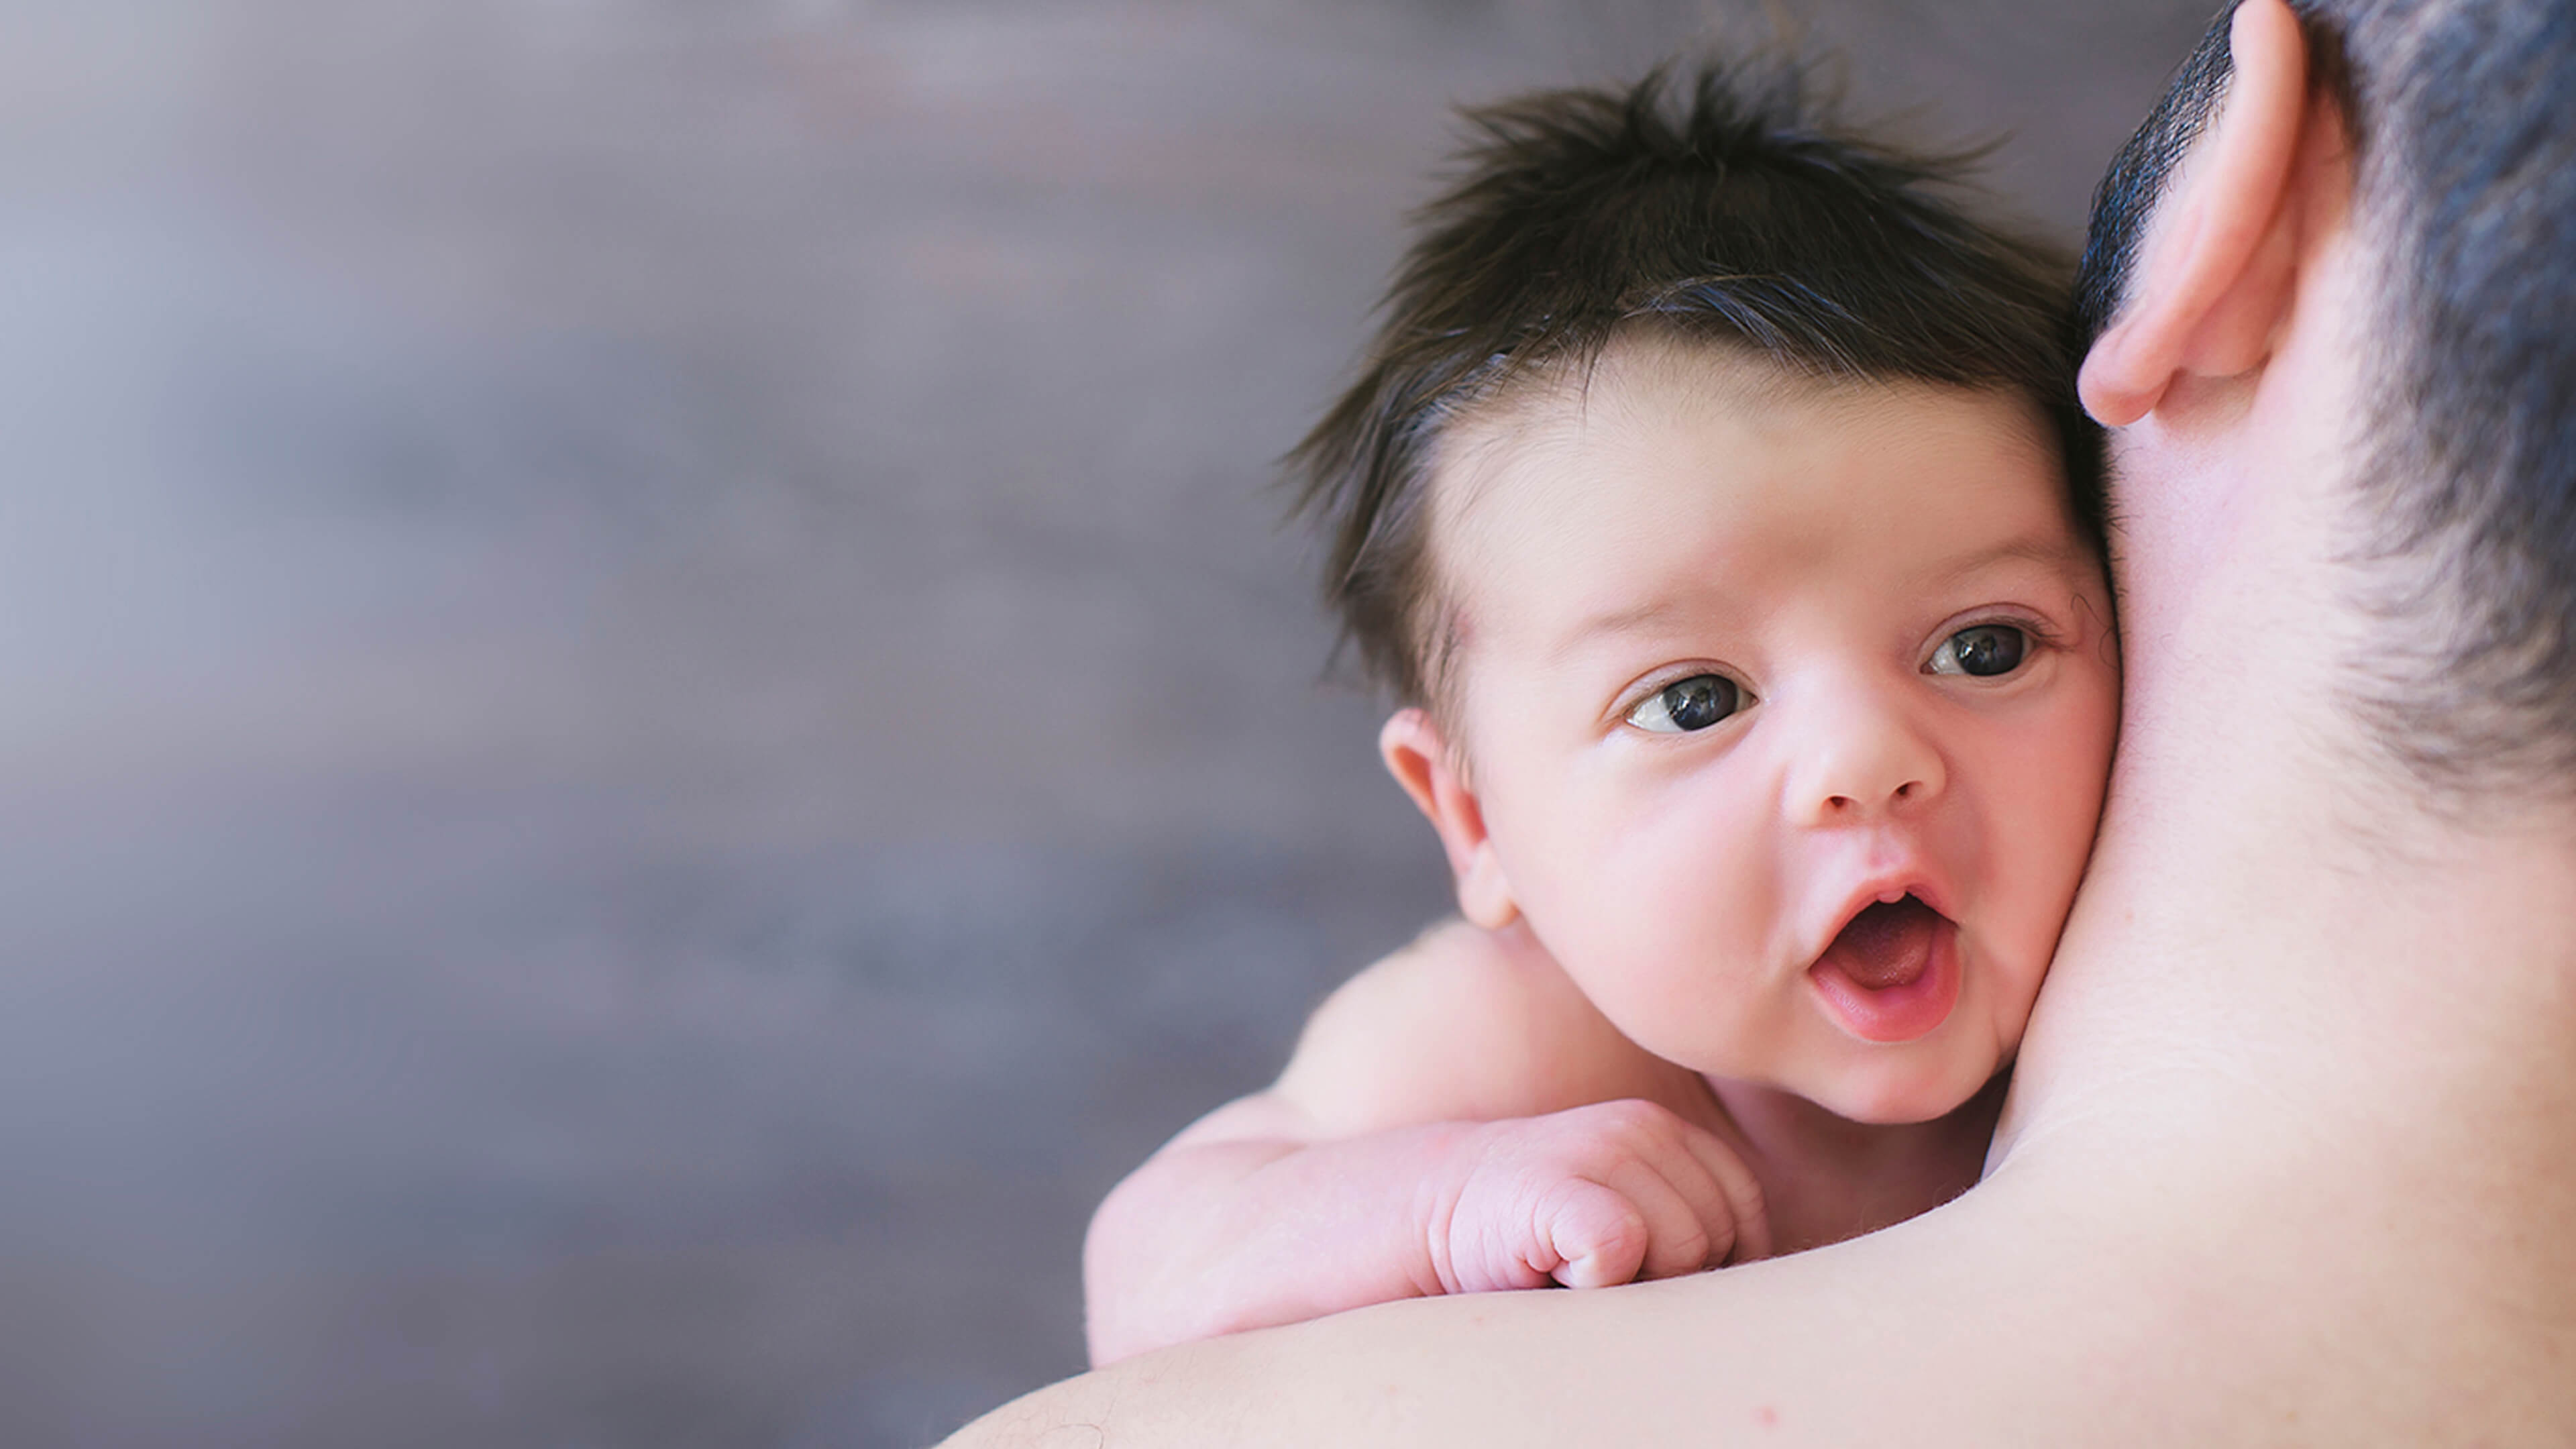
(1863, 764)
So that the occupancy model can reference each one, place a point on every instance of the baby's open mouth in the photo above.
(1892, 972)
(1887, 945)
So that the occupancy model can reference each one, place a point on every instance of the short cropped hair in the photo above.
(2463, 117)
(1715, 205)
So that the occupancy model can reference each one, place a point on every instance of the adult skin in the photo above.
(2286, 1157)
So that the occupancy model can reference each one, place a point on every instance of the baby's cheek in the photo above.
(1687, 913)
(2045, 822)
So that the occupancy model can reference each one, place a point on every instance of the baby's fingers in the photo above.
(1688, 1221)
(1589, 1236)
(1749, 1233)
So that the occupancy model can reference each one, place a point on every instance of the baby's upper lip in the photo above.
(1909, 877)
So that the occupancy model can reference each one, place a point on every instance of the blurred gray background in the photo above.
(651, 714)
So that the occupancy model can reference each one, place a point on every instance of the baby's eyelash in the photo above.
(2040, 630)
(1629, 700)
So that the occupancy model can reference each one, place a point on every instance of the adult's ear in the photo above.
(2220, 264)
(1422, 762)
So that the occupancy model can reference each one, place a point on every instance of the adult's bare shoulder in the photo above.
(2048, 1306)
(1886, 1339)
(1467, 1025)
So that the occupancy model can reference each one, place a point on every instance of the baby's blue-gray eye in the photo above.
(1984, 651)
(1688, 704)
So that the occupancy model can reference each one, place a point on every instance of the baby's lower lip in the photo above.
(1913, 1006)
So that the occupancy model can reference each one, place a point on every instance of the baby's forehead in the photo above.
(1559, 418)
(1552, 404)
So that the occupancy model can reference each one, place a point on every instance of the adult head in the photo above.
(2453, 122)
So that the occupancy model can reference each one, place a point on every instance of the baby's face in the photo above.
(1787, 709)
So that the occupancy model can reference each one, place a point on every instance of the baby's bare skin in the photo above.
(1460, 1119)
(1733, 981)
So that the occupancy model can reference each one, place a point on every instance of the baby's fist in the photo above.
(1604, 1194)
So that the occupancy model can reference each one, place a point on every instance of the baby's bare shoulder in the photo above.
(1463, 1025)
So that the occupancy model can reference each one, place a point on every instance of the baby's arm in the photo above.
(1458, 1118)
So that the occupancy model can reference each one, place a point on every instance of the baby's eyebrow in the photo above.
(2055, 550)
(1610, 623)
(1618, 621)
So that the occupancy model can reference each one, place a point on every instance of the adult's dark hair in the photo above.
(1714, 205)
(2463, 115)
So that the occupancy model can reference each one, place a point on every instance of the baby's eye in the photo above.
(1984, 651)
(1688, 704)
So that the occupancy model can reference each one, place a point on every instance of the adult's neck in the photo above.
(2280, 936)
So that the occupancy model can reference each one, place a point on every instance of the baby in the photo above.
(1715, 501)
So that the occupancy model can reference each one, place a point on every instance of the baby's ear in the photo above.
(1422, 762)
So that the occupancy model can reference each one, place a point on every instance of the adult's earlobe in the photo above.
(2220, 262)
(1422, 761)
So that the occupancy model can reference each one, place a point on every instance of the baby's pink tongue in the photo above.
(1887, 945)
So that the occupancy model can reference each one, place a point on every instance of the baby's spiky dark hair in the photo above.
(1715, 206)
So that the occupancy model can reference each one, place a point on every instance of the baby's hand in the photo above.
(1598, 1195)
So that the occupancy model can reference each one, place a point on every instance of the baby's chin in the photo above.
(1899, 1093)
